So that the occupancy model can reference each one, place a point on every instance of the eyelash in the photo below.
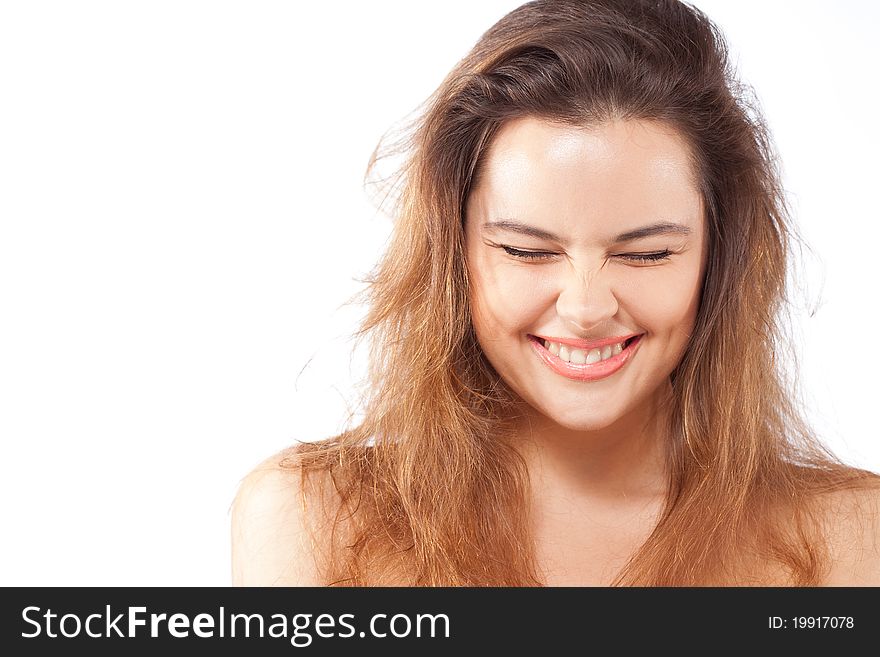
(656, 256)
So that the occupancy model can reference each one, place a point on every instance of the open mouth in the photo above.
(586, 364)
(577, 356)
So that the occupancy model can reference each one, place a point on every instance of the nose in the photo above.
(586, 299)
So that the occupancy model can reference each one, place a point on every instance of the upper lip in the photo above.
(586, 345)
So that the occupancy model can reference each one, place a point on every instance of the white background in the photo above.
(182, 219)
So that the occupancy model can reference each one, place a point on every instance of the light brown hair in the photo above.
(428, 486)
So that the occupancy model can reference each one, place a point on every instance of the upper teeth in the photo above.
(581, 357)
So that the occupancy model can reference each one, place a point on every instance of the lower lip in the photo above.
(585, 372)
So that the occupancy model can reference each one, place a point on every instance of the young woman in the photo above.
(576, 374)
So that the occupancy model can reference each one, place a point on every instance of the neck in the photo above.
(624, 462)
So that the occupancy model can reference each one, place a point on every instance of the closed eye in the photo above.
(528, 255)
(655, 256)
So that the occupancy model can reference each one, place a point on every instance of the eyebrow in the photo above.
(659, 228)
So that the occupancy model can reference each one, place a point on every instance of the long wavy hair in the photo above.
(428, 489)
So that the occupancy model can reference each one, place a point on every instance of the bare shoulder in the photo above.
(852, 521)
(275, 526)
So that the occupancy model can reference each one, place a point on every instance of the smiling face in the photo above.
(586, 251)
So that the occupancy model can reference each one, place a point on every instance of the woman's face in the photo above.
(586, 251)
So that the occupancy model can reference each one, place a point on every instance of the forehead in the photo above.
(616, 172)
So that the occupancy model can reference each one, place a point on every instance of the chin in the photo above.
(581, 421)
(587, 424)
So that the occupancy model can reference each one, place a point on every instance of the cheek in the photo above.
(665, 304)
(505, 301)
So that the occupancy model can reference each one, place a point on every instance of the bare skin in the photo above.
(277, 541)
(588, 523)
(595, 450)
(272, 532)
